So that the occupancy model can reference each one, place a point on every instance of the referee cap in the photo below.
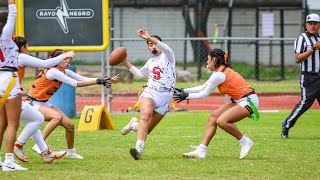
(313, 18)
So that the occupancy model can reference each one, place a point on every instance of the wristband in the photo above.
(313, 48)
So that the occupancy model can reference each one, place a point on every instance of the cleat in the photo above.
(49, 156)
(284, 131)
(135, 154)
(195, 154)
(13, 166)
(36, 149)
(130, 126)
(19, 152)
(1, 163)
(245, 147)
(71, 153)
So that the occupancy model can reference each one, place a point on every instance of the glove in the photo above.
(104, 81)
(179, 95)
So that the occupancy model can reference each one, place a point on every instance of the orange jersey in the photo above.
(234, 85)
(43, 88)
(21, 72)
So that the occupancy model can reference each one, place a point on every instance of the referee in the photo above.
(307, 54)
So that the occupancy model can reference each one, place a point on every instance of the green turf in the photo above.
(107, 152)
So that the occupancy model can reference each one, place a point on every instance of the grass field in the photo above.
(107, 152)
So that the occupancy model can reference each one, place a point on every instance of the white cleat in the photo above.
(130, 126)
(13, 166)
(49, 156)
(71, 153)
(36, 149)
(245, 147)
(19, 152)
(195, 154)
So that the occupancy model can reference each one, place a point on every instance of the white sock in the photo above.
(139, 145)
(202, 148)
(10, 157)
(134, 126)
(243, 139)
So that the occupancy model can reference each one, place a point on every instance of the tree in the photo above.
(199, 29)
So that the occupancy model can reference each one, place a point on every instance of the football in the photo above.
(117, 56)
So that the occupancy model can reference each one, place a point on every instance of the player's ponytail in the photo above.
(222, 57)
(20, 42)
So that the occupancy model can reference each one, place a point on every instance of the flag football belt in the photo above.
(29, 97)
(255, 115)
(9, 88)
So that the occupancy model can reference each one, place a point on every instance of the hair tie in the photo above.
(225, 57)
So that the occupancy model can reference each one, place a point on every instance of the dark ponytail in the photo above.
(20, 42)
(222, 57)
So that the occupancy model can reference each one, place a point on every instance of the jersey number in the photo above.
(1, 56)
(156, 72)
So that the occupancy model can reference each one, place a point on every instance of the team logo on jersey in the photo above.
(62, 13)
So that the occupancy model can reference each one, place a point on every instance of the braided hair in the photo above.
(222, 57)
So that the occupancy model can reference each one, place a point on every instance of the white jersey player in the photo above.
(155, 99)
(10, 91)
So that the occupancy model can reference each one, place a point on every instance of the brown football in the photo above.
(117, 56)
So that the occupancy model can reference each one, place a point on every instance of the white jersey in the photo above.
(9, 49)
(70, 77)
(161, 70)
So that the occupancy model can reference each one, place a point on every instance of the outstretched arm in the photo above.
(27, 60)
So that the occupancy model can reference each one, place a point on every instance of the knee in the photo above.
(145, 116)
(212, 120)
(69, 125)
(220, 122)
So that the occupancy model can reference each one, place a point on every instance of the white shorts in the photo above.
(30, 114)
(161, 100)
(5, 77)
(36, 104)
(243, 101)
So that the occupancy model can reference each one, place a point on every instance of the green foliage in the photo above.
(106, 153)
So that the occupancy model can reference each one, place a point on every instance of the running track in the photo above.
(268, 101)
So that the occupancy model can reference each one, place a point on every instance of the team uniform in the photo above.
(228, 82)
(234, 85)
(9, 55)
(30, 116)
(309, 79)
(160, 71)
(48, 82)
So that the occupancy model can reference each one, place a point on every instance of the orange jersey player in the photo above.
(47, 83)
(244, 103)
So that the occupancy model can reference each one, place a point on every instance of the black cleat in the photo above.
(135, 154)
(284, 131)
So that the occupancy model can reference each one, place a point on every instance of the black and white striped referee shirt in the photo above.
(303, 43)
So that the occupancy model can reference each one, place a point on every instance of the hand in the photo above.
(69, 54)
(105, 81)
(179, 95)
(115, 79)
(143, 33)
